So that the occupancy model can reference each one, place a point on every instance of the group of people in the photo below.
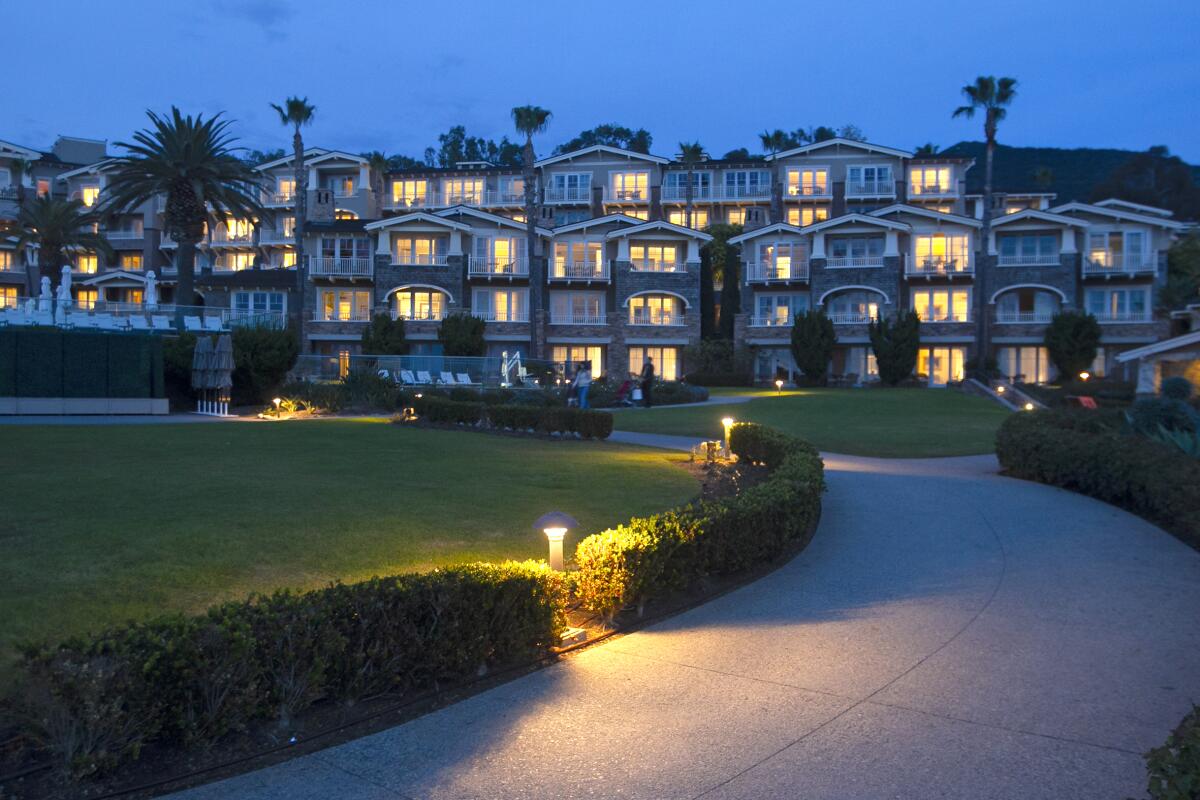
(581, 382)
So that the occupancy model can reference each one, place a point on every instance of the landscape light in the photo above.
(1083, 376)
(727, 423)
(1029, 406)
(277, 402)
(778, 386)
(999, 390)
(555, 525)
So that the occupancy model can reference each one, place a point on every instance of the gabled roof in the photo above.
(1160, 347)
(1040, 216)
(660, 225)
(118, 275)
(601, 148)
(90, 169)
(595, 221)
(309, 154)
(1115, 213)
(1138, 208)
(484, 215)
(10, 150)
(416, 216)
(840, 142)
(849, 219)
(778, 227)
(917, 211)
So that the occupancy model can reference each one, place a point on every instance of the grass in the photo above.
(889, 423)
(107, 523)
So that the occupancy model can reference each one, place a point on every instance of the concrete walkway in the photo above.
(948, 634)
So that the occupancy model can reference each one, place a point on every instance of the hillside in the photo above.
(1074, 171)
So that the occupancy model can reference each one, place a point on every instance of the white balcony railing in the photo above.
(757, 272)
(494, 197)
(1123, 316)
(571, 318)
(1118, 263)
(1024, 317)
(498, 267)
(772, 321)
(419, 260)
(325, 267)
(463, 198)
(723, 191)
(851, 318)
(814, 190)
(657, 320)
(939, 266)
(579, 271)
(502, 316)
(944, 316)
(410, 203)
(871, 189)
(270, 236)
(223, 237)
(1028, 260)
(117, 235)
(652, 265)
(677, 193)
(342, 315)
(420, 315)
(847, 262)
(569, 194)
(279, 198)
(919, 190)
(613, 195)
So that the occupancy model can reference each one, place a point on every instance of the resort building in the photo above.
(856, 229)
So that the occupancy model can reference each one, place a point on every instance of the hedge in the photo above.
(1174, 768)
(647, 556)
(587, 423)
(1078, 451)
(54, 363)
(96, 702)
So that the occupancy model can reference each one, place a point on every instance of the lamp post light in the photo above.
(778, 386)
(555, 525)
(727, 424)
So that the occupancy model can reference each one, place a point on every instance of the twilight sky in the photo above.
(392, 75)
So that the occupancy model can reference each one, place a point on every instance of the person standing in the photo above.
(648, 382)
(583, 382)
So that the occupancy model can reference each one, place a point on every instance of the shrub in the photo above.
(1071, 339)
(262, 358)
(319, 395)
(462, 335)
(177, 368)
(1177, 388)
(96, 702)
(367, 389)
(587, 423)
(716, 362)
(650, 555)
(384, 336)
(813, 338)
(1174, 768)
(1150, 414)
(1077, 452)
(895, 343)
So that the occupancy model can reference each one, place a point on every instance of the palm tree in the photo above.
(927, 149)
(775, 142)
(530, 120)
(992, 96)
(379, 165)
(55, 226)
(296, 112)
(691, 154)
(192, 162)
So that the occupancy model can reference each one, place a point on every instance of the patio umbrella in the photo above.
(223, 363)
(200, 359)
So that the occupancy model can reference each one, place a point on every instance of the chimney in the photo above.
(320, 207)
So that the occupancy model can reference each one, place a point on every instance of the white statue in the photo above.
(44, 300)
(150, 293)
(64, 291)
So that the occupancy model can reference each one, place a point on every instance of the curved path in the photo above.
(948, 634)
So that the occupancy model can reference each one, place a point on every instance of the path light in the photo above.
(277, 402)
(1029, 406)
(1083, 376)
(555, 525)
(727, 423)
(778, 386)
(999, 390)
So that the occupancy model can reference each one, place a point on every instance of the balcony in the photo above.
(1111, 317)
(943, 315)
(801, 191)
(419, 260)
(937, 266)
(652, 265)
(678, 194)
(224, 237)
(1024, 317)
(871, 189)
(578, 319)
(275, 237)
(852, 318)
(613, 195)
(503, 198)
(776, 273)
(485, 266)
(738, 192)
(569, 194)
(657, 320)
(324, 267)
(851, 262)
(502, 316)
(415, 203)
(279, 199)
(1119, 264)
(586, 271)
(342, 315)
(1028, 260)
(772, 321)
(420, 315)
(931, 192)
(124, 235)
(472, 199)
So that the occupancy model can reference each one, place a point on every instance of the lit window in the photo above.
(418, 304)
(735, 216)
(406, 193)
(341, 185)
(338, 305)
(463, 191)
(577, 260)
(781, 260)
(577, 308)
(43, 187)
(342, 213)
(807, 215)
(236, 262)
(8, 297)
(630, 185)
(929, 180)
(131, 261)
(503, 254)
(807, 182)
(86, 298)
(665, 360)
(942, 305)
(939, 252)
(654, 257)
(133, 296)
(941, 365)
(501, 305)
(6, 259)
(655, 309)
(1025, 364)
(778, 309)
(699, 218)
(235, 230)
(89, 195)
(636, 213)
(86, 263)
(285, 189)
(287, 259)
(573, 355)
(420, 250)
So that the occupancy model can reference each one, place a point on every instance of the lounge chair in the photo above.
(465, 379)
(138, 323)
(383, 373)
(193, 324)
(447, 378)
(213, 324)
(406, 376)
(107, 322)
(41, 318)
(160, 322)
(424, 378)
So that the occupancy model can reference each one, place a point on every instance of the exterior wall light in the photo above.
(555, 525)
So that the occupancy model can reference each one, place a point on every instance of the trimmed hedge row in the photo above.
(628, 564)
(53, 363)
(544, 419)
(192, 679)
(1080, 452)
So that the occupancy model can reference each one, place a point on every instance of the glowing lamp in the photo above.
(277, 402)
(1029, 406)
(1083, 376)
(778, 386)
(555, 525)
(727, 424)
(999, 390)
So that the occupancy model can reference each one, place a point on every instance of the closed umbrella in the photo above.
(200, 357)
(223, 372)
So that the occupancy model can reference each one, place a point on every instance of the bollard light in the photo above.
(778, 386)
(555, 525)
(1029, 406)
(277, 401)
(727, 423)
(1083, 376)
(999, 390)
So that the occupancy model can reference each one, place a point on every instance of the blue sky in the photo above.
(392, 75)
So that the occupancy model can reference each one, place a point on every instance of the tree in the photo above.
(927, 149)
(462, 335)
(708, 300)
(530, 120)
(1072, 338)
(812, 344)
(775, 142)
(1154, 178)
(256, 157)
(191, 161)
(895, 342)
(378, 164)
(691, 154)
(850, 131)
(722, 260)
(384, 336)
(19, 169)
(1183, 274)
(740, 154)
(1043, 177)
(296, 112)
(455, 146)
(54, 226)
(991, 96)
(612, 135)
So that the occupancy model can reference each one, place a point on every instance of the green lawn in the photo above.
(107, 523)
(890, 423)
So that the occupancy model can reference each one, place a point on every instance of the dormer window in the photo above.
(929, 180)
